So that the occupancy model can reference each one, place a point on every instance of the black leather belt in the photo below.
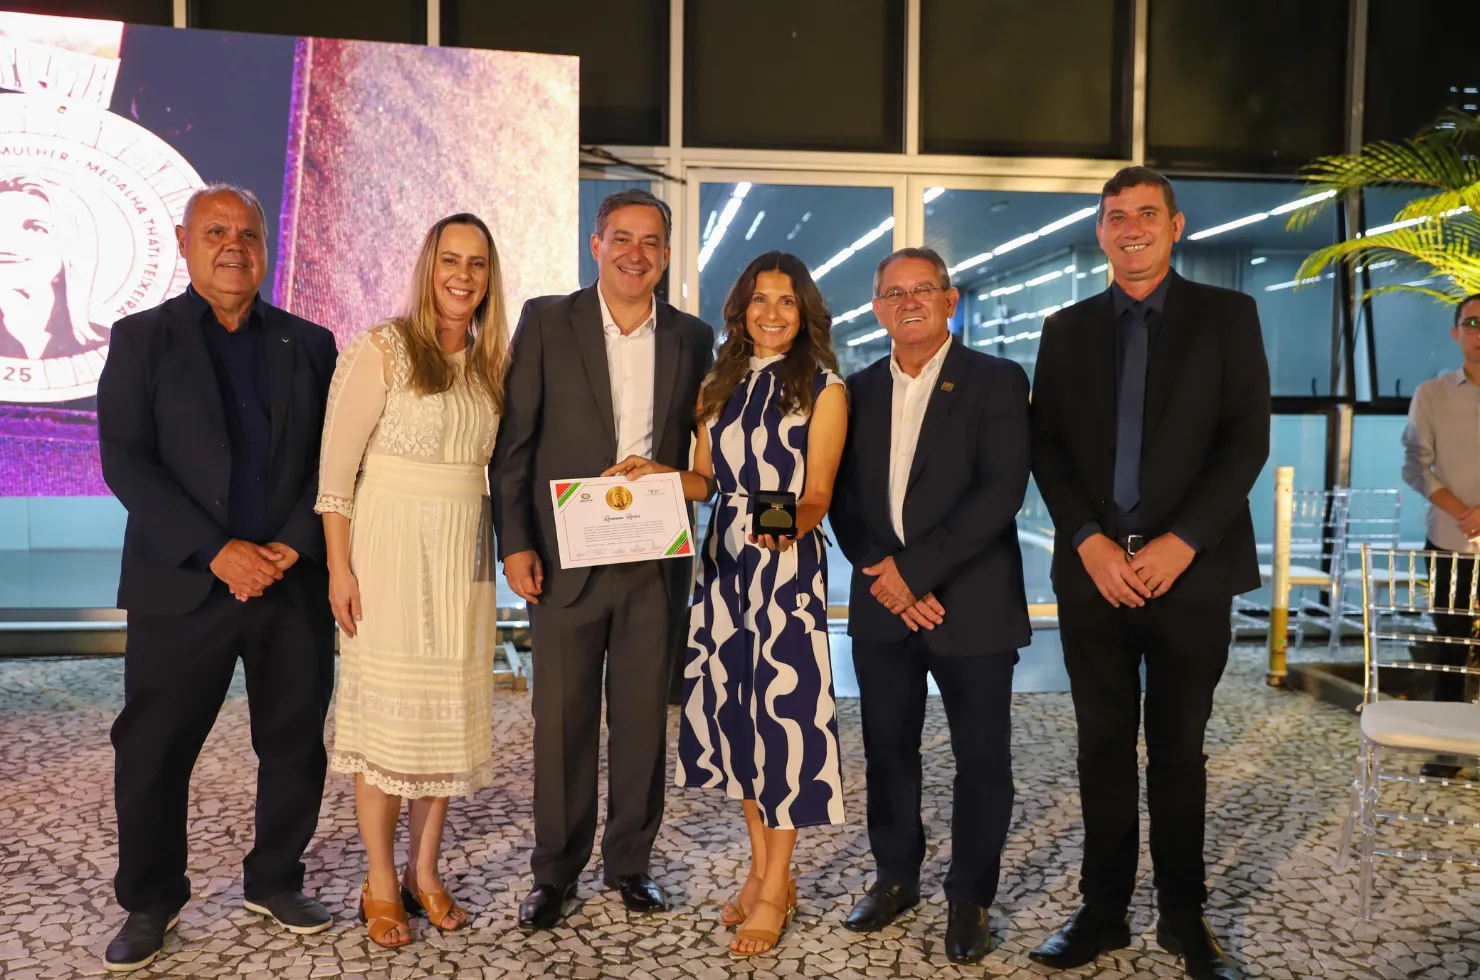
(1132, 543)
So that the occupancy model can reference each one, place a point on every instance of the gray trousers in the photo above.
(619, 622)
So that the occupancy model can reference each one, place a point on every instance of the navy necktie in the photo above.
(1130, 412)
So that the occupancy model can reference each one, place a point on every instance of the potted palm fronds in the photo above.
(1437, 233)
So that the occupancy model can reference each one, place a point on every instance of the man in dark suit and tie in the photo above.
(1150, 424)
(932, 478)
(605, 373)
(210, 409)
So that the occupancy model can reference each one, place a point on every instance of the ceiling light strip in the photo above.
(720, 226)
(1249, 219)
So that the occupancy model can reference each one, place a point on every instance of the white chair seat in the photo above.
(1299, 575)
(1441, 727)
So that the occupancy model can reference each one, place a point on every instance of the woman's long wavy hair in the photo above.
(487, 358)
(812, 348)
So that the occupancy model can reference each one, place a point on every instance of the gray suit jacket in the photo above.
(558, 421)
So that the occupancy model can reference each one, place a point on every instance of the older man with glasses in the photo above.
(1441, 460)
(932, 479)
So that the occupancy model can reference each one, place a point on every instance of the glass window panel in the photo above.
(1413, 72)
(817, 224)
(1004, 103)
(1377, 462)
(1006, 292)
(160, 12)
(1409, 331)
(381, 20)
(1004, 299)
(772, 74)
(1294, 440)
(1260, 258)
(623, 50)
(1256, 85)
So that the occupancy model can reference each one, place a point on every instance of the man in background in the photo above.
(1441, 460)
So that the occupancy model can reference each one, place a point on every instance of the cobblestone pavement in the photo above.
(1279, 762)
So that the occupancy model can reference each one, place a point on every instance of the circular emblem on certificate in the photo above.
(619, 498)
(88, 202)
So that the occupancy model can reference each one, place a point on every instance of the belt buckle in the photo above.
(1134, 543)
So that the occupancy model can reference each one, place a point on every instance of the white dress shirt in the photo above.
(911, 396)
(629, 365)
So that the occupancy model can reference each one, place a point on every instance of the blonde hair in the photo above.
(487, 356)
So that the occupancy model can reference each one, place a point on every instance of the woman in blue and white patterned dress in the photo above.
(758, 717)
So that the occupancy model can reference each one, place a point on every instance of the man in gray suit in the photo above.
(605, 373)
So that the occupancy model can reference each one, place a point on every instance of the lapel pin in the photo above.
(948, 386)
(283, 339)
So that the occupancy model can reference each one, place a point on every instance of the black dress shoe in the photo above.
(640, 893)
(968, 935)
(294, 911)
(544, 907)
(881, 906)
(139, 941)
(1191, 939)
(1438, 770)
(1086, 935)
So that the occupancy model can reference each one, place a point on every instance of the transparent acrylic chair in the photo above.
(1356, 517)
(1315, 519)
(1395, 595)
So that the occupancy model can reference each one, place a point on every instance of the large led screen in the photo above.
(353, 147)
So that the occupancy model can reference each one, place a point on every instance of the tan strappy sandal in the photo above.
(435, 905)
(732, 913)
(380, 918)
(768, 936)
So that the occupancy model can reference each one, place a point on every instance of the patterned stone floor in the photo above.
(1279, 762)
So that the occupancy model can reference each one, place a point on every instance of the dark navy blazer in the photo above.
(167, 456)
(966, 485)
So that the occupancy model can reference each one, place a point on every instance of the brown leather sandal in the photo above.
(732, 913)
(382, 917)
(768, 936)
(436, 906)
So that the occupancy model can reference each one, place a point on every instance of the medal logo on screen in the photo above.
(88, 203)
(619, 498)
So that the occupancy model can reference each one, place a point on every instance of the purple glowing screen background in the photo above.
(353, 147)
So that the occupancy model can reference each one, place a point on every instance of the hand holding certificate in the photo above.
(608, 520)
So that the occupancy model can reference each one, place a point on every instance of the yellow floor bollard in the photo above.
(1279, 600)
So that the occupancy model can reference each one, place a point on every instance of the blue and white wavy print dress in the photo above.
(758, 712)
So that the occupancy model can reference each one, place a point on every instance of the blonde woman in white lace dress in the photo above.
(412, 414)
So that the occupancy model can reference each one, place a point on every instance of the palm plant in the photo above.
(1437, 233)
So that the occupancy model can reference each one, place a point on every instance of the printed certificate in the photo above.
(608, 520)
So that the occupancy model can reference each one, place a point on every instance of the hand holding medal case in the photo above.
(773, 512)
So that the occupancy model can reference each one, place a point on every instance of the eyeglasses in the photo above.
(922, 292)
(1470, 324)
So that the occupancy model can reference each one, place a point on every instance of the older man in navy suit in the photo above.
(210, 409)
(932, 479)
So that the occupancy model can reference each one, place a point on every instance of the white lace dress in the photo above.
(414, 702)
